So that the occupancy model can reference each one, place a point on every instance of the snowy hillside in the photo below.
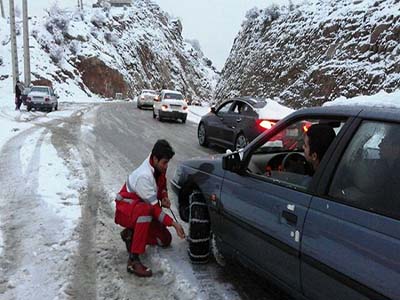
(318, 51)
(103, 51)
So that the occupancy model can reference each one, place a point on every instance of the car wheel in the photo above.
(56, 107)
(29, 108)
(154, 114)
(202, 135)
(199, 229)
(183, 120)
(50, 109)
(159, 117)
(241, 142)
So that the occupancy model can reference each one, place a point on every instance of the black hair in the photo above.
(320, 136)
(162, 149)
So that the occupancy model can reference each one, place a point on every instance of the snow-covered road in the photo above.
(59, 174)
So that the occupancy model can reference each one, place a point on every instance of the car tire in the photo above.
(199, 229)
(154, 114)
(56, 107)
(183, 120)
(202, 135)
(28, 108)
(159, 117)
(50, 109)
(240, 141)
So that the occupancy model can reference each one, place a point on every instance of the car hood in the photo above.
(210, 165)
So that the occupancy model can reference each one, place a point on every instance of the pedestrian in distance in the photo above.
(139, 208)
(18, 91)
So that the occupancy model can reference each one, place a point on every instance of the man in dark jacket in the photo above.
(18, 91)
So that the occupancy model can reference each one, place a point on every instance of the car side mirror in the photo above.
(213, 110)
(157, 99)
(232, 162)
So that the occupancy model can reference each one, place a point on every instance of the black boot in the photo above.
(126, 236)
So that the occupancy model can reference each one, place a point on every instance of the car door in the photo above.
(232, 123)
(215, 123)
(351, 240)
(263, 211)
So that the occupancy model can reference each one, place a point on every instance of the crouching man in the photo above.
(139, 211)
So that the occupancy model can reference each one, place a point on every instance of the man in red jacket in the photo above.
(139, 211)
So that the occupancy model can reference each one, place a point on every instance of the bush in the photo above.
(56, 53)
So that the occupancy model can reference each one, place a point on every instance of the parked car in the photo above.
(42, 97)
(170, 105)
(236, 122)
(146, 98)
(332, 235)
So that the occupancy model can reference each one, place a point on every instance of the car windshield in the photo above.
(40, 89)
(173, 96)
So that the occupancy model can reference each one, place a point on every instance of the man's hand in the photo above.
(165, 203)
(179, 230)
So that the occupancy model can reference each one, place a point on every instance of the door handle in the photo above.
(238, 120)
(221, 118)
(290, 217)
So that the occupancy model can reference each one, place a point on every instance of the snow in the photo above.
(381, 99)
(274, 111)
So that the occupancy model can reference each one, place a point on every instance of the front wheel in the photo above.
(154, 114)
(199, 229)
(202, 135)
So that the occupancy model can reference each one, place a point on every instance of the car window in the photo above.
(224, 108)
(247, 110)
(40, 89)
(173, 96)
(366, 176)
(237, 107)
(281, 158)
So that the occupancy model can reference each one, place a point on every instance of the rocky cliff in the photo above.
(104, 51)
(315, 52)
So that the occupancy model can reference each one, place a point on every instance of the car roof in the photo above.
(148, 91)
(40, 86)
(171, 91)
(367, 112)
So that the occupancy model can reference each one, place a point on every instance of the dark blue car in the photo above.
(331, 235)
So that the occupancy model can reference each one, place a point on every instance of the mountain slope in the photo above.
(104, 51)
(315, 52)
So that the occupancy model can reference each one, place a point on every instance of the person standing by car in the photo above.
(18, 91)
(139, 211)
(317, 139)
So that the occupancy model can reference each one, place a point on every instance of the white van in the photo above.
(170, 105)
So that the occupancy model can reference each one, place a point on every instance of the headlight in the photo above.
(178, 174)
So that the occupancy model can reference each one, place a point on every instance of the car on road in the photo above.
(170, 105)
(146, 99)
(236, 122)
(42, 97)
(333, 234)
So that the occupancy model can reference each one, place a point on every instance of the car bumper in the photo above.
(146, 103)
(39, 105)
(173, 115)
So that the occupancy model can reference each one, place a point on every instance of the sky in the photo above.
(214, 23)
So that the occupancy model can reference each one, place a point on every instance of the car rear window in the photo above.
(40, 89)
(173, 96)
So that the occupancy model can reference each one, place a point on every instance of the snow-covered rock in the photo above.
(315, 52)
(104, 51)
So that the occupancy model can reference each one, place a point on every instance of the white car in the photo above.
(146, 98)
(42, 97)
(170, 105)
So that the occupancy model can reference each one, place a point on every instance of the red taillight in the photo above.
(185, 108)
(164, 107)
(306, 125)
(266, 124)
(47, 99)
